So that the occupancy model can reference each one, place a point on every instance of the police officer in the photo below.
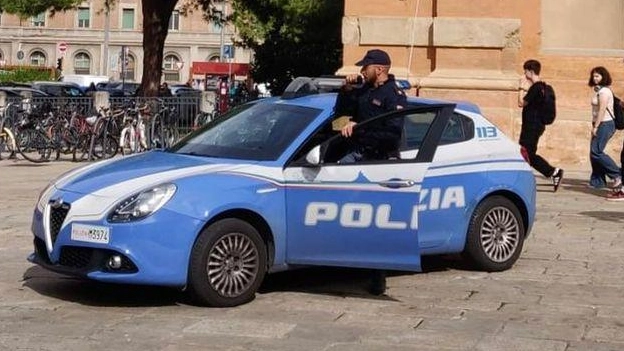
(377, 95)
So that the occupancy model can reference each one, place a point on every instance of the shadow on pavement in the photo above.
(27, 164)
(343, 282)
(92, 293)
(611, 216)
(581, 186)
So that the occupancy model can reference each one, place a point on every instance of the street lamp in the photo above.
(106, 39)
(222, 17)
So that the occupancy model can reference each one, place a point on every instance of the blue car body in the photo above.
(309, 214)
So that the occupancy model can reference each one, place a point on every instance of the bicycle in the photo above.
(7, 139)
(163, 132)
(132, 135)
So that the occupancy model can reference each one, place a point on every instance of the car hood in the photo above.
(114, 177)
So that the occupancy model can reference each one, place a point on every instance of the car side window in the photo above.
(399, 136)
(458, 129)
(415, 127)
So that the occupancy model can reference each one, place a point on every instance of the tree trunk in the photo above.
(156, 15)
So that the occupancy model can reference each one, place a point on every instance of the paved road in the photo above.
(565, 293)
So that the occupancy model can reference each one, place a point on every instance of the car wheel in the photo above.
(495, 235)
(228, 264)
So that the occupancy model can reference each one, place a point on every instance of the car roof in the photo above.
(10, 92)
(302, 87)
(18, 89)
(45, 82)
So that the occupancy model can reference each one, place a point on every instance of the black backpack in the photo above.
(618, 114)
(548, 107)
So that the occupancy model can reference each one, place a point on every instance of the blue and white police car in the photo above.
(260, 190)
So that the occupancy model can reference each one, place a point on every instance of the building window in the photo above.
(39, 20)
(128, 68)
(37, 58)
(127, 19)
(170, 62)
(171, 68)
(174, 21)
(2, 61)
(84, 17)
(82, 63)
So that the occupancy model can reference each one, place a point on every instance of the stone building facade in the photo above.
(36, 40)
(474, 50)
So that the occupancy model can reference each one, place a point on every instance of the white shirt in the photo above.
(595, 102)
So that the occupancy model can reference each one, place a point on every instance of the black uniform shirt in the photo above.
(367, 102)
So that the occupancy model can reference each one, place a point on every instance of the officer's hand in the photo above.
(354, 79)
(347, 130)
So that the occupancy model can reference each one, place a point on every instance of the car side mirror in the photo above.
(313, 158)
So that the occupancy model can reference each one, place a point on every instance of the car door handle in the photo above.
(397, 183)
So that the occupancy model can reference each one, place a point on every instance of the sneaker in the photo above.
(617, 184)
(557, 177)
(616, 196)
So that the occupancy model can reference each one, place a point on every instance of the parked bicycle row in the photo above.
(43, 130)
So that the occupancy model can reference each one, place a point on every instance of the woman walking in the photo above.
(603, 128)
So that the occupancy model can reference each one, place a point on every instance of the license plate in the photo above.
(90, 233)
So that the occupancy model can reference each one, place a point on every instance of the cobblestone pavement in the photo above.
(565, 293)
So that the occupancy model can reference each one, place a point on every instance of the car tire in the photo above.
(495, 235)
(237, 256)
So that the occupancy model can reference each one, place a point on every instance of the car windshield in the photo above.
(259, 131)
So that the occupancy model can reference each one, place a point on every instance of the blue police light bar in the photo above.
(403, 84)
(302, 86)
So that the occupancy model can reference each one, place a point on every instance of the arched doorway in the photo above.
(37, 58)
(171, 68)
(82, 63)
(128, 72)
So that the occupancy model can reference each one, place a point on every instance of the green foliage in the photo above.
(27, 8)
(21, 74)
(290, 38)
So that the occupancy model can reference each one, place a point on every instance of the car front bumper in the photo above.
(154, 250)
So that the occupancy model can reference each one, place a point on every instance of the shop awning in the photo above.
(220, 68)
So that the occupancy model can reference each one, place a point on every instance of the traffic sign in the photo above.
(228, 51)
(62, 48)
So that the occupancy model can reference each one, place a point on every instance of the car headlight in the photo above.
(142, 204)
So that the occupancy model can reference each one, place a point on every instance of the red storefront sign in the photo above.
(220, 68)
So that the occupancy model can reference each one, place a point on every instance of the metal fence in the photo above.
(180, 110)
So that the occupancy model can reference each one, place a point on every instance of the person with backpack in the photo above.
(603, 128)
(537, 100)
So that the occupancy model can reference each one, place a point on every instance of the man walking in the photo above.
(531, 98)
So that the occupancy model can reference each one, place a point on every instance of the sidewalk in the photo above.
(564, 294)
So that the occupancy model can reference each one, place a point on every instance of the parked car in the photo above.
(259, 190)
(23, 91)
(83, 80)
(59, 89)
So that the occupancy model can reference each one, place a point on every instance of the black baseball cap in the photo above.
(374, 57)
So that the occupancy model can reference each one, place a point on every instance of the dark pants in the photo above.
(602, 164)
(377, 283)
(529, 137)
(622, 161)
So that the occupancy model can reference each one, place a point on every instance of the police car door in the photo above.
(363, 214)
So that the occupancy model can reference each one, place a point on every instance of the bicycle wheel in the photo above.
(8, 146)
(105, 146)
(33, 145)
(170, 137)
